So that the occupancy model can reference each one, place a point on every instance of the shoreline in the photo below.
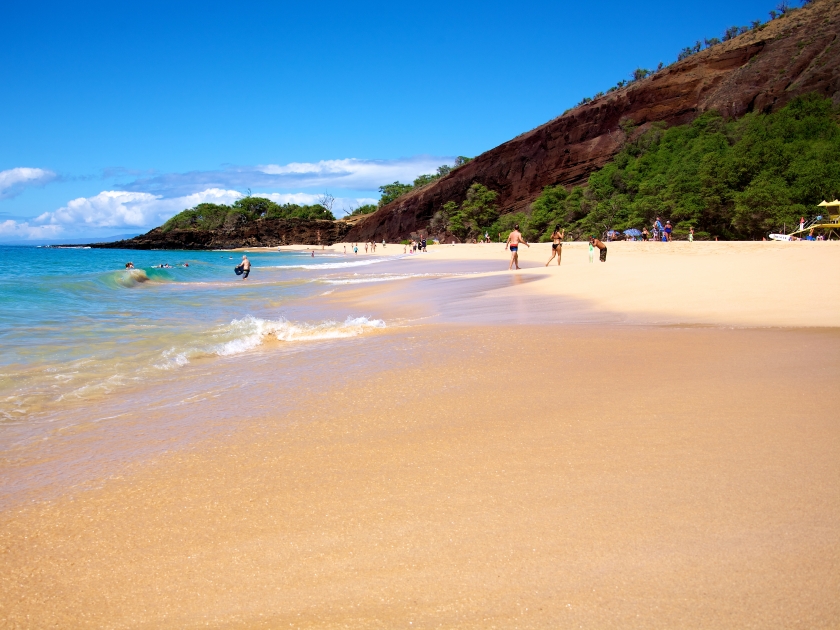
(517, 449)
(453, 500)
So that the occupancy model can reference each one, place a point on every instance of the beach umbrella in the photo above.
(823, 203)
(633, 232)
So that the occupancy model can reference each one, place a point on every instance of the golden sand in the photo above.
(502, 477)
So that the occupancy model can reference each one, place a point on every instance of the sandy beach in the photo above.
(631, 444)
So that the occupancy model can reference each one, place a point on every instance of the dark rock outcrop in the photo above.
(259, 233)
(759, 71)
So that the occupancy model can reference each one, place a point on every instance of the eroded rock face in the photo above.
(759, 71)
(260, 233)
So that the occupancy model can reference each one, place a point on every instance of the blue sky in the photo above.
(114, 116)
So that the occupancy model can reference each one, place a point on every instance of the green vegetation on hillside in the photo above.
(479, 209)
(783, 9)
(735, 179)
(211, 216)
(368, 208)
(392, 192)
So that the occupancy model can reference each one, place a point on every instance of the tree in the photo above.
(327, 201)
(478, 211)
(365, 209)
(255, 207)
(422, 180)
(461, 160)
(391, 192)
(443, 170)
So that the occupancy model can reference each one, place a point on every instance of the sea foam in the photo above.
(245, 334)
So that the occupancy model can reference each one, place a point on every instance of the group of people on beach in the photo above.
(515, 239)
(415, 245)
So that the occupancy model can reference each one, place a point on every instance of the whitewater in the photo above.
(76, 325)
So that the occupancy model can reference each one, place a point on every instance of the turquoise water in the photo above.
(75, 324)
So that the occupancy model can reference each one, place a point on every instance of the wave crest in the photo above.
(245, 334)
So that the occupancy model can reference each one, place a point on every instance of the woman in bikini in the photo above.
(556, 244)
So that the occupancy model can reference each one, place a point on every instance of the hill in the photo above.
(759, 71)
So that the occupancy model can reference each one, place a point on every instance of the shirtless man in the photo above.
(594, 241)
(245, 267)
(513, 241)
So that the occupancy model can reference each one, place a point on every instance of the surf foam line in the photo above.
(390, 277)
(245, 334)
(341, 265)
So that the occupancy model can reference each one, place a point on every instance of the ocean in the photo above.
(102, 366)
(76, 324)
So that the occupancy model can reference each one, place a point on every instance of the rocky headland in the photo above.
(761, 70)
(265, 232)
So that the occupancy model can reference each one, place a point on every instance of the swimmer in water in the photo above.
(129, 265)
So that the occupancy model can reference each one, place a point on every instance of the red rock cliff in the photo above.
(759, 71)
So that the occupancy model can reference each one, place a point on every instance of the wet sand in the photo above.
(528, 476)
(539, 449)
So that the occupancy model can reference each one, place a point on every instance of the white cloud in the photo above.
(340, 204)
(348, 174)
(14, 180)
(13, 230)
(353, 173)
(121, 209)
(118, 208)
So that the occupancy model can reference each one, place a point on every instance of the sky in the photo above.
(114, 116)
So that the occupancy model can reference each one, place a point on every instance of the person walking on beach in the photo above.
(595, 242)
(556, 244)
(244, 268)
(668, 230)
(513, 241)
(691, 235)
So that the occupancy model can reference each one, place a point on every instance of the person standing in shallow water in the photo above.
(595, 242)
(243, 268)
(556, 244)
(513, 241)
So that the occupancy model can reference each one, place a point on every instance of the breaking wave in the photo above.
(245, 334)
(336, 265)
